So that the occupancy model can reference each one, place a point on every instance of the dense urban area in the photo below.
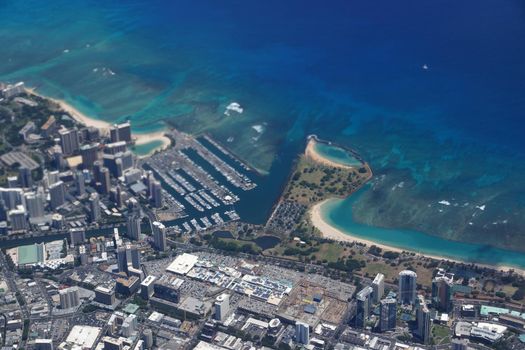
(102, 249)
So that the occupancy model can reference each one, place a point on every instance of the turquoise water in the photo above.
(338, 213)
(443, 141)
(336, 154)
(146, 148)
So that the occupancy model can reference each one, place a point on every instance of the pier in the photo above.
(199, 183)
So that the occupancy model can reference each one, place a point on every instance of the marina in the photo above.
(201, 186)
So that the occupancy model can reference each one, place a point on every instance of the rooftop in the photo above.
(131, 308)
(183, 264)
(83, 335)
(492, 310)
(206, 346)
(148, 280)
(30, 254)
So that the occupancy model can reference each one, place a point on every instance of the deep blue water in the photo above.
(349, 71)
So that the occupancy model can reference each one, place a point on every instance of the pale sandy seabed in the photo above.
(139, 138)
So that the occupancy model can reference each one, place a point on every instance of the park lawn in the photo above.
(509, 289)
(330, 252)
(308, 188)
(424, 275)
(239, 243)
(373, 268)
(441, 334)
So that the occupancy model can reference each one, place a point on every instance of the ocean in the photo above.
(429, 93)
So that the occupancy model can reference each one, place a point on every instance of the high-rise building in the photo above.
(12, 197)
(58, 159)
(159, 236)
(156, 194)
(69, 141)
(94, 207)
(12, 182)
(147, 336)
(117, 196)
(92, 134)
(423, 320)
(17, 218)
(88, 176)
(35, 204)
(133, 226)
(127, 285)
(388, 311)
(69, 298)
(222, 307)
(442, 292)
(364, 306)
(146, 287)
(128, 257)
(148, 181)
(97, 168)
(407, 287)
(43, 344)
(460, 344)
(57, 221)
(57, 193)
(167, 289)
(104, 295)
(132, 176)
(121, 197)
(51, 177)
(80, 183)
(123, 255)
(82, 253)
(25, 178)
(115, 147)
(76, 236)
(302, 333)
(135, 257)
(12, 90)
(118, 163)
(133, 205)
(120, 132)
(105, 181)
(378, 285)
(129, 325)
(112, 343)
(90, 154)
(3, 211)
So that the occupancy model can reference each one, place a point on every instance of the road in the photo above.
(10, 279)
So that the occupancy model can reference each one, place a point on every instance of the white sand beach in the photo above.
(139, 138)
(311, 153)
(330, 232)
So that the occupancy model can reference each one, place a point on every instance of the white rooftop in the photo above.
(83, 336)
(183, 264)
(156, 316)
(148, 280)
(207, 346)
(103, 289)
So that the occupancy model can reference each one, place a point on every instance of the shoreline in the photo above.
(330, 232)
(311, 153)
(103, 126)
